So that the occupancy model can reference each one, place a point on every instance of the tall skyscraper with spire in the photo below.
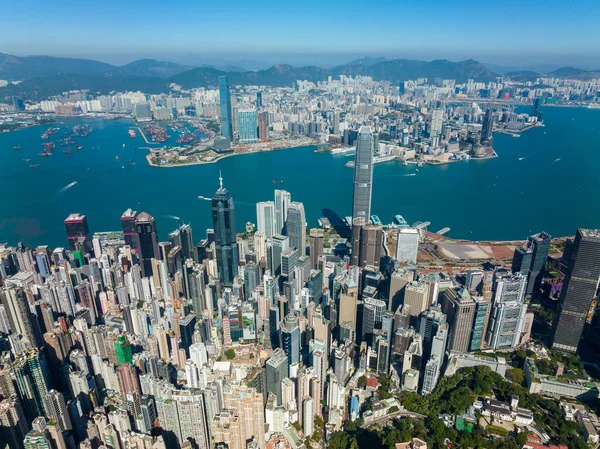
(225, 102)
(363, 174)
(223, 212)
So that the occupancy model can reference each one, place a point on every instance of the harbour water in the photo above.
(547, 179)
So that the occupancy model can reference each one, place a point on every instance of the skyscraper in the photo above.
(13, 421)
(247, 126)
(225, 103)
(371, 240)
(290, 338)
(578, 291)
(488, 127)
(508, 313)
(277, 370)
(129, 230)
(296, 227)
(78, 232)
(18, 313)
(265, 218)
(123, 350)
(147, 236)
(282, 203)
(223, 212)
(529, 259)
(363, 174)
(408, 245)
(316, 247)
(32, 382)
(57, 410)
(188, 250)
(263, 125)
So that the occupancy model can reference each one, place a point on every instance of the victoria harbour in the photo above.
(535, 176)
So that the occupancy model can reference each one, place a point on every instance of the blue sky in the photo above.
(505, 32)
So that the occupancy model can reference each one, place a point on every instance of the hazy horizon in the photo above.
(259, 61)
(512, 33)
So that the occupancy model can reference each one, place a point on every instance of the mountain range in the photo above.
(44, 76)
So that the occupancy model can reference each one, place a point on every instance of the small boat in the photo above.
(69, 151)
(521, 158)
(123, 145)
(117, 157)
(17, 147)
(557, 159)
(79, 147)
(132, 162)
(122, 166)
(34, 166)
(26, 160)
(275, 181)
(416, 169)
(44, 154)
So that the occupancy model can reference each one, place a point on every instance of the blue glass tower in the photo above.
(225, 100)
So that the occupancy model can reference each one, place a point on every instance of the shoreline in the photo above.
(189, 164)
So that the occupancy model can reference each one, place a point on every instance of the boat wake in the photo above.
(410, 174)
(67, 187)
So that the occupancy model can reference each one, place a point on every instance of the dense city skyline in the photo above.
(217, 256)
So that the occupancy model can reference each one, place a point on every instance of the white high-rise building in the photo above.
(265, 218)
(260, 245)
(408, 245)
(308, 420)
(282, 204)
(508, 312)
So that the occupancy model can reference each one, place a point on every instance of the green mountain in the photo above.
(20, 68)
(398, 70)
(523, 76)
(36, 89)
(47, 76)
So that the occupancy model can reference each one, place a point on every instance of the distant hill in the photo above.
(18, 68)
(36, 89)
(565, 72)
(150, 67)
(397, 70)
(367, 60)
(279, 75)
(46, 76)
(523, 76)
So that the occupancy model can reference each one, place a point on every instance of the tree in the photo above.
(516, 375)
(230, 354)
(362, 381)
(319, 423)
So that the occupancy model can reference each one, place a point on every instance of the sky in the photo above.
(508, 32)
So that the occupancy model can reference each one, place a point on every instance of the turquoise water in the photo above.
(503, 198)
